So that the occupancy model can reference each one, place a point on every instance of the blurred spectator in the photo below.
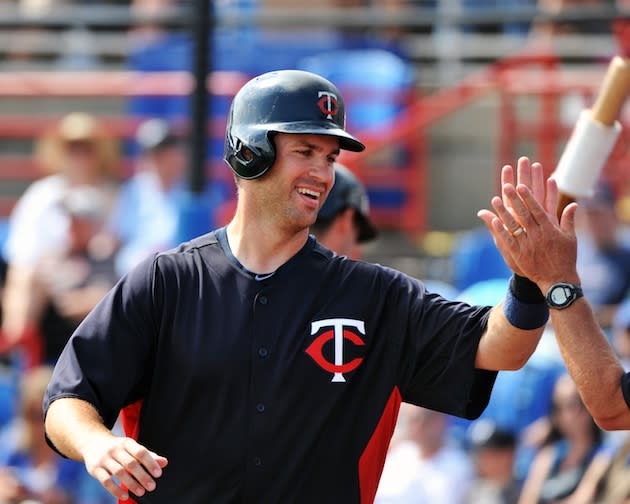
(607, 478)
(494, 454)
(603, 259)
(423, 467)
(145, 219)
(572, 441)
(76, 152)
(72, 283)
(343, 223)
(30, 471)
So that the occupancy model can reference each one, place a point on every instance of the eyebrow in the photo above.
(305, 143)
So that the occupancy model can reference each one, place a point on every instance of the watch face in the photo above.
(559, 295)
(562, 294)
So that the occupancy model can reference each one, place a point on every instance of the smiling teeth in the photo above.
(308, 192)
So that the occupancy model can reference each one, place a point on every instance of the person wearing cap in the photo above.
(493, 451)
(343, 223)
(145, 217)
(76, 151)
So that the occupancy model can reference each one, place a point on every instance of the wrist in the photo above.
(524, 306)
(525, 290)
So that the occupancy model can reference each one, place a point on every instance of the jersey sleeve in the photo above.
(438, 351)
(105, 361)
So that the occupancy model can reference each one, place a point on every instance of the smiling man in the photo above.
(252, 364)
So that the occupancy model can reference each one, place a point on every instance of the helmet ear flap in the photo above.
(248, 161)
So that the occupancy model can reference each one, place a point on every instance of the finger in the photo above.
(503, 240)
(161, 461)
(567, 220)
(125, 478)
(506, 216)
(538, 182)
(148, 459)
(105, 479)
(507, 178)
(535, 212)
(551, 201)
(524, 173)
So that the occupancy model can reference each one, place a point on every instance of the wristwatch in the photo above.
(561, 295)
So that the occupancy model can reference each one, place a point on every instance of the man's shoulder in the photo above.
(205, 243)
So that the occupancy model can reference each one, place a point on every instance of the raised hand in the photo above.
(526, 229)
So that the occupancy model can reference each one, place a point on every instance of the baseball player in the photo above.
(343, 223)
(252, 364)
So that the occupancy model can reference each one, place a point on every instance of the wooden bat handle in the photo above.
(607, 106)
(613, 92)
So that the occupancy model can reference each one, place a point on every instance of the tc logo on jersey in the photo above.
(328, 104)
(338, 331)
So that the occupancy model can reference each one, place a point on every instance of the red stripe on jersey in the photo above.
(373, 458)
(130, 419)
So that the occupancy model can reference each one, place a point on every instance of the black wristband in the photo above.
(525, 290)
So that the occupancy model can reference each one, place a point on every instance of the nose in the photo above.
(322, 169)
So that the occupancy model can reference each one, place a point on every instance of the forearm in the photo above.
(72, 425)
(592, 364)
(504, 346)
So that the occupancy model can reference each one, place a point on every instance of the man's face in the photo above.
(299, 181)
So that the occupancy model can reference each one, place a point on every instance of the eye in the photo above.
(305, 152)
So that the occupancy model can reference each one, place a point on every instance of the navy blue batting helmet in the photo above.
(284, 101)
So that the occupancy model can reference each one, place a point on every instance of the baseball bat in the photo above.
(593, 137)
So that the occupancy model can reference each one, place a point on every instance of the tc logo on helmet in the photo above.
(328, 103)
(338, 332)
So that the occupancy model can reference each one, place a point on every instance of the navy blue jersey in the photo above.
(284, 389)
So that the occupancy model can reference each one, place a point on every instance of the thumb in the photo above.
(567, 219)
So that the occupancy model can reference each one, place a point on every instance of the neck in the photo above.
(261, 246)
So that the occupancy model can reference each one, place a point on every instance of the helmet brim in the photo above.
(346, 140)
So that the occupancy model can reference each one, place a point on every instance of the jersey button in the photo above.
(262, 300)
(260, 407)
(263, 352)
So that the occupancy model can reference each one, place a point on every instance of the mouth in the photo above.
(309, 194)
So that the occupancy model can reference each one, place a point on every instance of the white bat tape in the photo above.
(585, 155)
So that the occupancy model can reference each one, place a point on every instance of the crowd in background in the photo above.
(76, 230)
(81, 226)
(72, 235)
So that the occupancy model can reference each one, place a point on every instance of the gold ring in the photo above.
(518, 232)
